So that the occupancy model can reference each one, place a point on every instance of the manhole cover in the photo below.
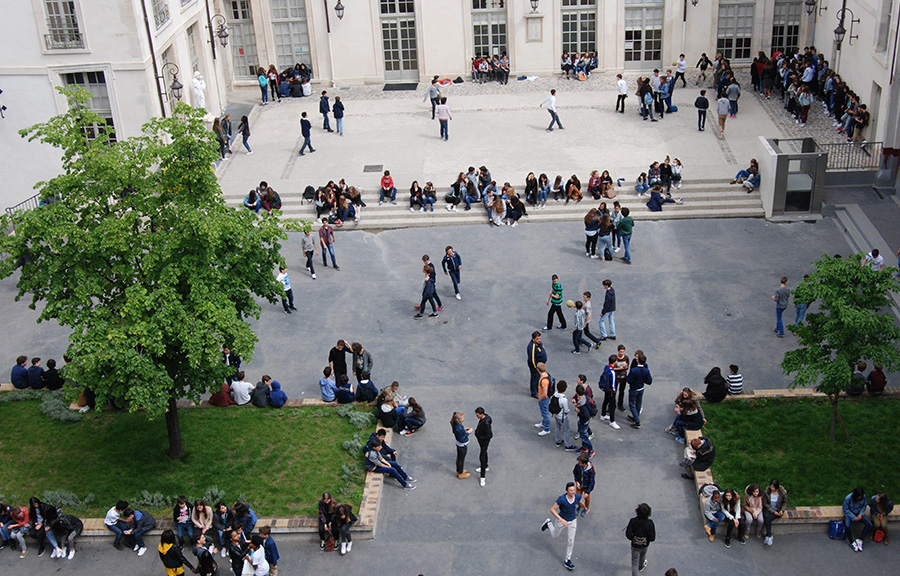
(373, 167)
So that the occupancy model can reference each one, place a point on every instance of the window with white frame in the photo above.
(786, 26)
(243, 38)
(63, 32)
(191, 34)
(160, 12)
(643, 33)
(735, 31)
(579, 26)
(489, 27)
(95, 84)
(291, 32)
(883, 29)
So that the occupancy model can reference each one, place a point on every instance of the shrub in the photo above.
(53, 405)
(213, 495)
(66, 499)
(355, 445)
(154, 501)
(18, 395)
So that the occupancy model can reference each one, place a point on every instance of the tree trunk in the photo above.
(176, 448)
(836, 419)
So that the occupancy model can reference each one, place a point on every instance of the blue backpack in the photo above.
(836, 530)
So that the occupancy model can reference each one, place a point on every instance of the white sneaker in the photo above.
(482, 482)
(854, 546)
(71, 553)
(543, 432)
(587, 253)
(539, 425)
(617, 249)
(604, 417)
(349, 546)
(83, 409)
(313, 276)
(449, 208)
(678, 185)
(614, 426)
(224, 553)
(54, 553)
(514, 224)
(458, 297)
(142, 551)
(420, 210)
(136, 547)
(413, 210)
(343, 548)
(455, 209)
(859, 545)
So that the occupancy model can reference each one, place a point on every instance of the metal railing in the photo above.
(64, 41)
(28, 204)
(849, 156)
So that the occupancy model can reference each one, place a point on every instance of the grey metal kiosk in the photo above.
(792, 178)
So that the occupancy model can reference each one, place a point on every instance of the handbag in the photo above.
(836, 530)
(878, 535)
(329, 543)
(248, 569)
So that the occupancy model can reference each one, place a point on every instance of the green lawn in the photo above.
(757, 440)
(280, 461)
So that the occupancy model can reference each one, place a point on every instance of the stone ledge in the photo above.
(798, 393)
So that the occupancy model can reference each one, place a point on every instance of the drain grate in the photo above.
(373, 167)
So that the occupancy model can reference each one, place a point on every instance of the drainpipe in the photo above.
(162, 103)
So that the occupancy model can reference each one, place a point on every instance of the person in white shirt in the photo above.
(550, 101)
(257, 556)
(680, 69)
(874, 260)
(287, 299)
(622, 86)
(114, 523)
(240, 390)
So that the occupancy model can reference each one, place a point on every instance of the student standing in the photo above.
(559, 408)
(638, 376)
(622, 87)
(444, 117)
(723, 108)
(461, 437)
(172, 558)
(781, 297)
(585, 476)
(271, 549)
(608, 312)
(554, 300)
(543, 399)
(308, 246)
(607, 383)
(564, 512)
(244, 131)
(483, 433)
(641, 532)
(229, 134)
(433, 94)
(338, 110)
(536, 355)
(326, 239)
(625, 227)
(324, 109)
(550, 101)
(702, 105)
(287, 299)
(452, 266)
(305, 131)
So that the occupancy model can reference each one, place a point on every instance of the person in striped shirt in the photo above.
(735, 380)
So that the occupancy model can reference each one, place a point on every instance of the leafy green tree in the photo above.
(853, 323)
(135, 250)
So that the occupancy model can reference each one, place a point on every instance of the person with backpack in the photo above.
(586, 409)
(559, 408)
(585, 475)
(546, 388)
(263, 85)
(638, 376)
(641, 532)
(607, 383)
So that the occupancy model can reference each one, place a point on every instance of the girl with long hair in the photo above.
(591, 229)
(461, 436)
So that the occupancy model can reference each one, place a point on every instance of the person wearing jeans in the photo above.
(543, 399)
(624, 228)
(641, 532)
(444, 117)
(607, 313)
(774, 503)
(638, 376)
(380, 464)
(583, 421)
(141, 522)
(712, 512)
(113, 522)
(781, 297)
(452, 266)
(550, 101)
(854, 509)
(577, 333)
(326, 238)
(307, 245)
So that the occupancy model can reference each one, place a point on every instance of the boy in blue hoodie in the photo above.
(277, 397)
(271, 550)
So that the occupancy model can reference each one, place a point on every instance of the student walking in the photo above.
(287, 299)
(781, 297)
(452, 266)
(580, 325)
(324, 109)
(550, 101)
(723, 108)
(461, 436)
(308, 246)
(426, 261)
(483, 433)
(588, 316)
(433, 94)
(554, 301)
(559, 408)
(564, 512)
(244, 131)
(306, 132)
(702, 105)
(641, 532)
(326, 239)
(444, 117)
(427, 294)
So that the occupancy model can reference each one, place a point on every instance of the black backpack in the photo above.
(309, 194)
(554, 407)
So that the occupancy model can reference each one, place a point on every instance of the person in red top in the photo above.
(387, 187)
(19, 527)
(876, 381)
(326, 238)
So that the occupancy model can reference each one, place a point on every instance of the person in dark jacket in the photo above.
(237, 549)
(260, 395)
(35, 373)
(362, 360)
(181, 515)
(139, 523)
(483, 433)
(233, 361)
(338, 109)
(327, 507)
(706, 454)
(222, 519)
(608, 312)
(206, 564)
(271, 549)
(42, 516)
(451, 263)
(51, 377)
(641, 532)
(306, 132)
(324, 108)
(461, 437)
(427, 294)
(171, 556)
(366, 391)
(716, 386)
(19, 374)
(277, 397)
(67, 529)
(343, 520)
(585, 476)
(536, 355)
(247, 517)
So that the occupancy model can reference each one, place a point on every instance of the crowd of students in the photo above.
(490, 69)
(35, 377)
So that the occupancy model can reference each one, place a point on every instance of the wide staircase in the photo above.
(702, 199)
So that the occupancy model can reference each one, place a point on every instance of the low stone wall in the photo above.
(799, 518)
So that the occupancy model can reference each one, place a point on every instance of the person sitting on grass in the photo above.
(854, 509)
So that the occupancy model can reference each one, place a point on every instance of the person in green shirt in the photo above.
(554, 301)
(624, 229)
